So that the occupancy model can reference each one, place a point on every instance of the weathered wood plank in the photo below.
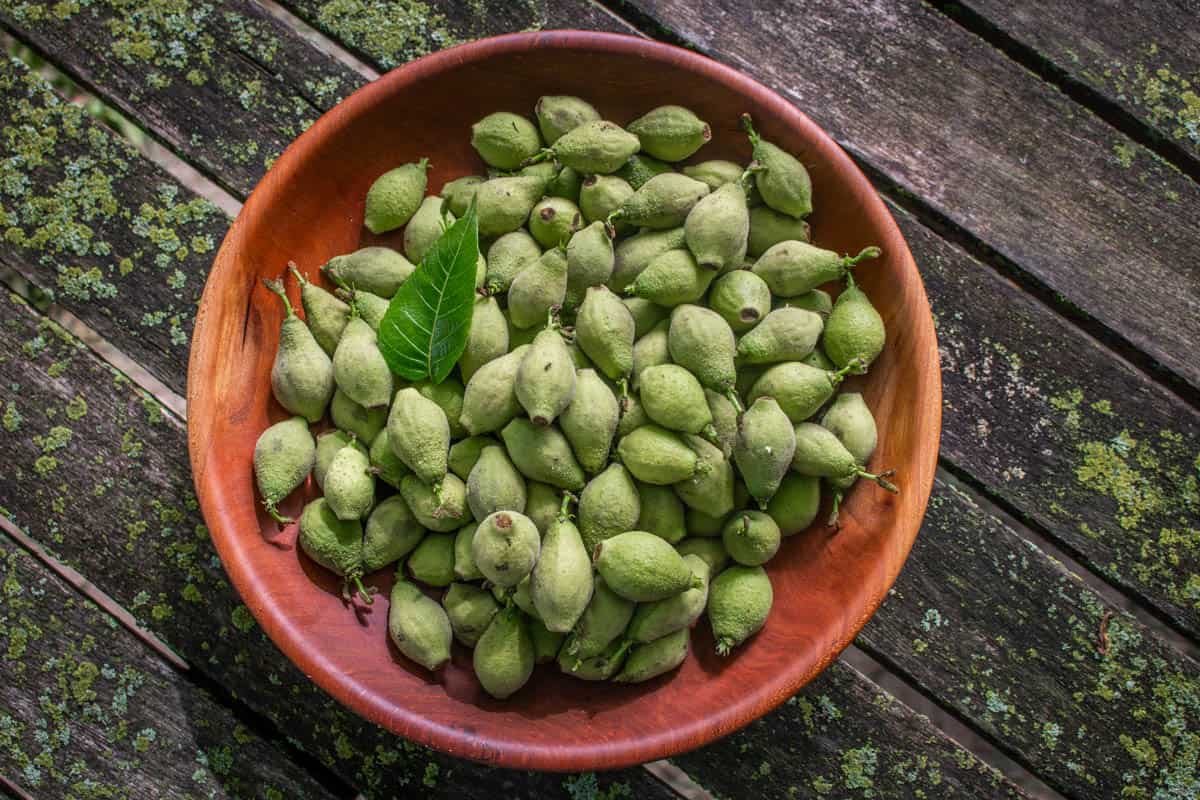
(96, 471)
(390, 35)
(1011, 641)
(89, 711)
(986, 146)
(116, 239)
(1142, 57)
(227, 85)
(800, 751)
(1075, 439)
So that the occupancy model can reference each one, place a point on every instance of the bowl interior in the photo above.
(310, 207)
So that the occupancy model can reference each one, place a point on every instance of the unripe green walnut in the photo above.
(781, 179)
(506, 546)
(349, 484)
(470, 611)
(391, 533)
(333, 543)
(633, 255)
(798, 388)
(646, 315)
(711, 550)
(432, 562)
(365, 423)
(763, 452)
(662, 513)
(494, 484)
(566, 183)
(465, 453)
(795, 504)
(671, 279)
(545, 171)
(639, 168)
(302, 375)
(518, 594)
(490, 399)
(507, 256)
(715, 173)
(387, 465)
(654, 620)
(328, 445)
(503, 140)
(741, 298)
(561, 582)
(724, 420)
(850, 420)
(561, 114)
(378, 270)
(610, 504)
(649, 660)
(633, 416)
(465, 568)
(649, 351)
(418, 626)
(459, 193)
(504, 655)
(821, 454)
(324, 313)
(718, 228)
(751, 538)
(538, 288)
(432, 219)
(370, 307)
(394, 197)
(817, 301)
(600, 667)
(854, 333)
(420, 435)
(739, 602)
(663, 202)
(487, 338)
(590, 262)
(601, 195)
(542, 504)
(671, 133)
(656, 455)
(503, 204)
(641, 567)
(702, 343)
(711, 489)
(604, 329)
(603, 621)
(768, 227)
(542, 454)
(283, 456)
(360, 369)
(553, 220)
(818, 359)
(590, 421)
(442, 512)
(704, 525)
(596, 147)
(546, 643)
(786, 334)
(792, 268)
(546, 377)
(674, 399)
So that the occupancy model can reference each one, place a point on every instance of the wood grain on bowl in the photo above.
(309, 207)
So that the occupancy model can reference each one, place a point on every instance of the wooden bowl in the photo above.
(309, 207)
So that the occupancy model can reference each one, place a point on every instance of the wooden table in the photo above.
(1042, 160)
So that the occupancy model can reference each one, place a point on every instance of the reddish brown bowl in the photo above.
(310, 207)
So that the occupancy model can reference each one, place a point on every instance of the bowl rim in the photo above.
(455, 742)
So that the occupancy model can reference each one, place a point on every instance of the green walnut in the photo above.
(504, 140)
(394, 197)
(283, 456)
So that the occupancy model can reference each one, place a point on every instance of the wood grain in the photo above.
(310, 207)
(1141, 57)
(1018, 167)
(115, 239)
(791, 753)
(1076, 440)
(88, 710)
(1009, 639)
(96, 471)
(227, 83)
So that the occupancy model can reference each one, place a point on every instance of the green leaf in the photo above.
(425, 328)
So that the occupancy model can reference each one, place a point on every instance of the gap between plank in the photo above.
(1049, 72)
(319, 40)
(259, 725)
(946, 720)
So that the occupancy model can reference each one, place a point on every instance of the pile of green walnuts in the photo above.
(645, 408)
